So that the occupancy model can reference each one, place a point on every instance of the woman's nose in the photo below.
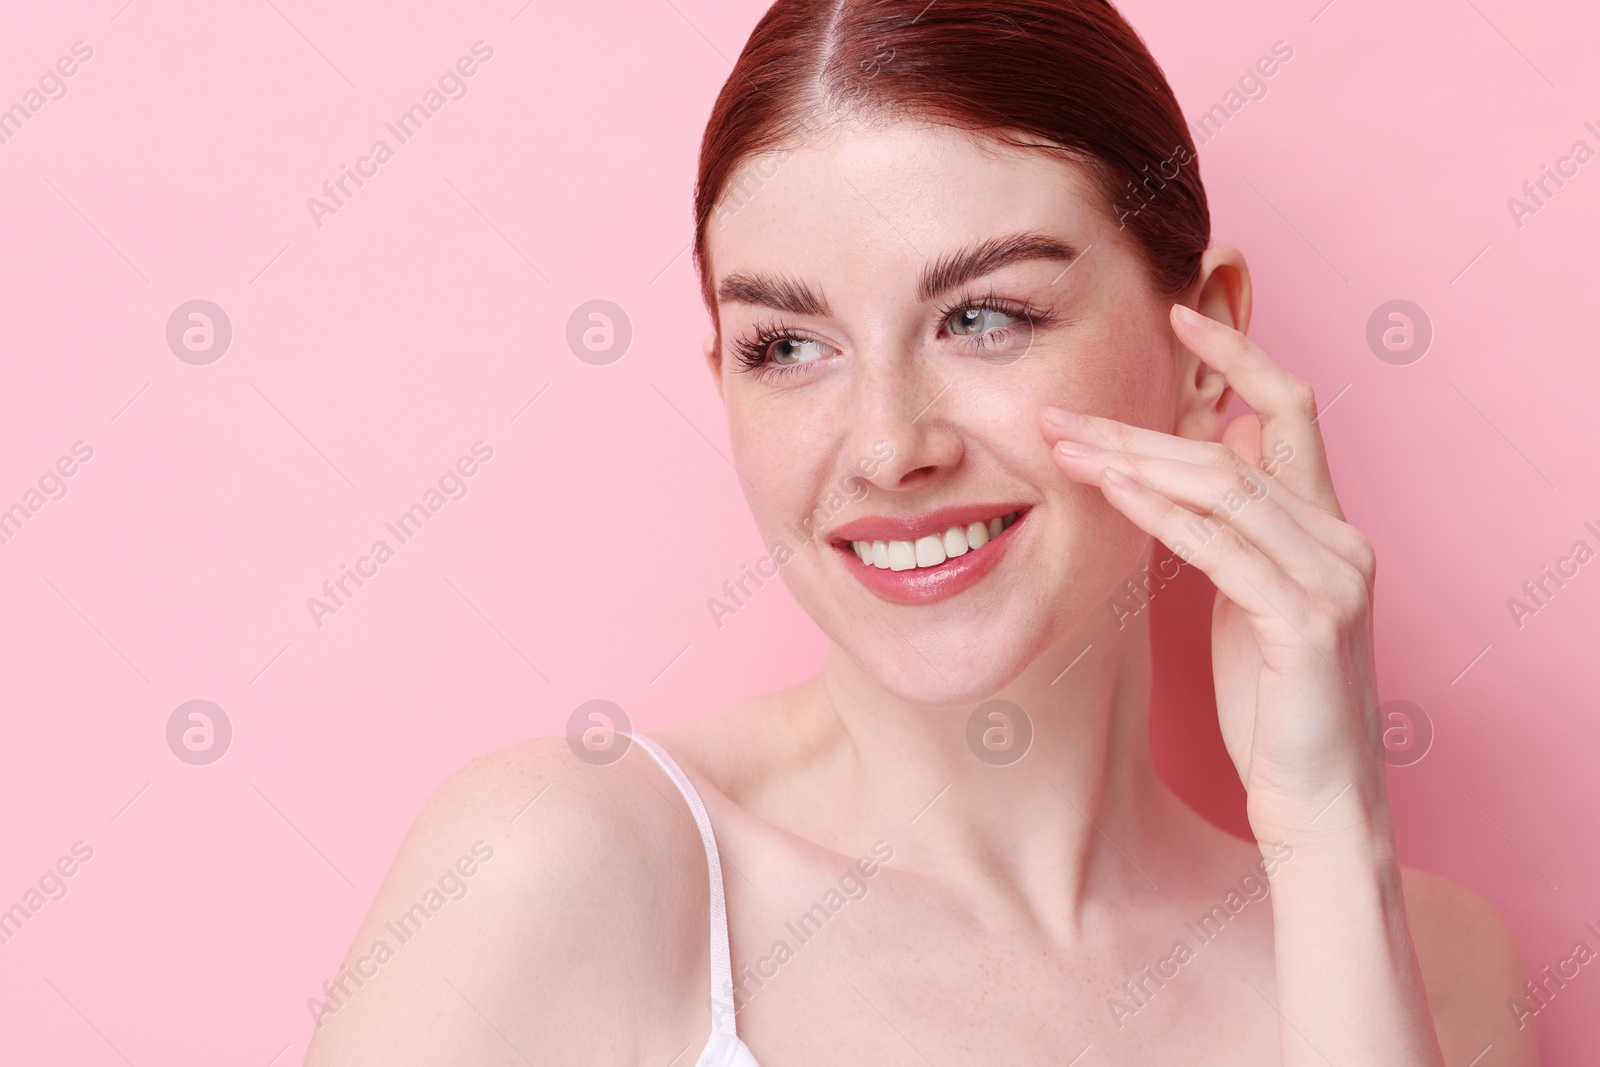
(898, 407)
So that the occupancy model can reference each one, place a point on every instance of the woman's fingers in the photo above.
(1238, 569)
(1134, 444)
(1285, 404)
(1216, 496)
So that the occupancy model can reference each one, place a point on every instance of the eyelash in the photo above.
(751, 351)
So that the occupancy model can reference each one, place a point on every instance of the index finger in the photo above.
(1285, 404)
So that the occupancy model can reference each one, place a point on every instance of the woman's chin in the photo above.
(959, 675)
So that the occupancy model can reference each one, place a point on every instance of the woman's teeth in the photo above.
(934, 549)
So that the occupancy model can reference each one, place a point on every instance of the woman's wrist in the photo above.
(1343, 945)
(1337, 819)
(1351, 869)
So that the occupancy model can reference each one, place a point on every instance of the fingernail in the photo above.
(1116, 477)
(1190, 315)
(1073, 448)
(1062, 417)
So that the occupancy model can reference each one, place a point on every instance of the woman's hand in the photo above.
(1292, 650)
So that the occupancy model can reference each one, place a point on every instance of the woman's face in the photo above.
(913, 296)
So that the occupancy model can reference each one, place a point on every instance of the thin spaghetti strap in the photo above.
(722, 1009)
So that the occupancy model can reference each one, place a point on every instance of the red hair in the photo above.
(1069, 72)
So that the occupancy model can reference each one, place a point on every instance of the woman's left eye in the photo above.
(787, 351)
(976, 321)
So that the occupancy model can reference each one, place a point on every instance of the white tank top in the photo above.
(723, 1049)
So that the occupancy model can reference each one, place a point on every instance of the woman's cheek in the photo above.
(775, 461)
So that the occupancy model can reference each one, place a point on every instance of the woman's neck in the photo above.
(1080, 812)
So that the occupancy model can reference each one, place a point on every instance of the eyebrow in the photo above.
(958, 268)
(947, 272)
(761, 290)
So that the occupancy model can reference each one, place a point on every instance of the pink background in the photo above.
(368, 354)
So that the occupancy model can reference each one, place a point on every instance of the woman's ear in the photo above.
(1222, 292)
(714, 359)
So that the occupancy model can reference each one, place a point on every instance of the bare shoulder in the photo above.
(540, 906)
(1471, 969)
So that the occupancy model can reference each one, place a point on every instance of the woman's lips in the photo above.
(925, 585)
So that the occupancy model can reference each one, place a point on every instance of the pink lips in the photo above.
(925, 585)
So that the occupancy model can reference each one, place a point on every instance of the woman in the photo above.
(975, 351)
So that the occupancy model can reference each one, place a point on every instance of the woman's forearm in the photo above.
(1349, 990)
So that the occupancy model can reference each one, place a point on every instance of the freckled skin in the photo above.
(1019, 899)
(975, 961)
(873, 207)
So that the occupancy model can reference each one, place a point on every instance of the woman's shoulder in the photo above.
(1471, 969)
(574, 817)
(586, 907)
(578, 832)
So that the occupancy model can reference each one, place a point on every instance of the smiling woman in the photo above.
(956, 249)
